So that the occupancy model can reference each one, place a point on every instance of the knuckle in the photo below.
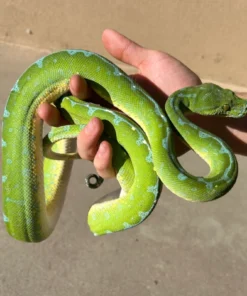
(88, 154)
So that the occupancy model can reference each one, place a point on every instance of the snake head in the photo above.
(221, 102)
(232, 105)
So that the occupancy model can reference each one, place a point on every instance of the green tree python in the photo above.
(36, 170)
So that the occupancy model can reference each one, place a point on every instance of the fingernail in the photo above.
(89, 129)
(78, 87)
(102, 149)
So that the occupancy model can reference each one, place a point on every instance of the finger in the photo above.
(88, 139)
(241, 94)
(103, 161)
(50, 115)
(79, 88)
(124, 49)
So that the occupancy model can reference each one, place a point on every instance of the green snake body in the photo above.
(35, 181)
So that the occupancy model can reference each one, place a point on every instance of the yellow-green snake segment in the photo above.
(35, 172)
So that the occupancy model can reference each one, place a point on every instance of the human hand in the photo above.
(158, 72)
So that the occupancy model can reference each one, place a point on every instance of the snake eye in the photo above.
(226, 107)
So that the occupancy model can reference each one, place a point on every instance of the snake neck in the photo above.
(204, 143)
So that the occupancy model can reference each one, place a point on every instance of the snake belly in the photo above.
(34, 188)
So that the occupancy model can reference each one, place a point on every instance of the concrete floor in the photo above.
(181, 249)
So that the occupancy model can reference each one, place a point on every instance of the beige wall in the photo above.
(209, 36)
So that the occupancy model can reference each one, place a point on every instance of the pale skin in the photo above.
(160, 74)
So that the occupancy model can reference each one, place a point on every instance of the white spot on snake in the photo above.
(117, 72)
(26, 172)
(25, 151)
(87, 53)
(107, 216)
(4, 144)
(164, 143)
(153, 189)
(163, 117)
(149, 158)
(203, 135)
(66, 128)
(16, 87)
(109, 111)
(225, 176)
(209, 185)
(39, 63)
(91, 110)
(205, 150)
(140, 140)
(98, 69)
(5, 218)
(133, 128)
(29, 221)
(73, 51)
(193, 126)
(133, 87)
(54, 61)
(108, 231)
(117, 119)
(9, 161)
(126, 225)
(181, 122)
(6, 113)
(4, 179)
(223, 150)
(171, 101)
(182, 177)
(143, 215)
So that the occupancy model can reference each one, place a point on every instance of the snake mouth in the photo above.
(239, 108)
(238, 111)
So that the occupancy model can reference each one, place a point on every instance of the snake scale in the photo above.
(36, 170)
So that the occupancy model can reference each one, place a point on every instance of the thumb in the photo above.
(124, 49)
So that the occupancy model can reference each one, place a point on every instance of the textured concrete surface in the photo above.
(181, 249)
(208, 35)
